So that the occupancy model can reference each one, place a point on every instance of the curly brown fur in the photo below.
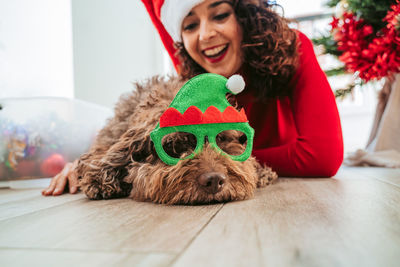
(123, 160)
(269, 48)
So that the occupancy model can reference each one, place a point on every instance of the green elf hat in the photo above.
(201, 108)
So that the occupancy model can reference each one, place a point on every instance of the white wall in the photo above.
(294, 8)
(35, 48)
(114, 45)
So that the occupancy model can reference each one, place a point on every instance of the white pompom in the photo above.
(235, 84)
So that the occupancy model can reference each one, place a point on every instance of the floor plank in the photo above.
(304, 222)
(9, 195)
(117, 225)
(388, 175)
(33, 202)
(30, 257)
(346, 173)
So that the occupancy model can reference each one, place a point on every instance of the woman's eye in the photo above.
(190, 27)
(222, 16)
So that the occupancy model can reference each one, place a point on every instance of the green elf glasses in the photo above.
(201, 108)
(200, 132)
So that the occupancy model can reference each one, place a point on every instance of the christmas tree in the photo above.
(365, 37)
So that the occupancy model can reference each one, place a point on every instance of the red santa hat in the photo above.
(167, 16)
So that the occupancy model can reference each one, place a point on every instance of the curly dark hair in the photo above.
(269, 48)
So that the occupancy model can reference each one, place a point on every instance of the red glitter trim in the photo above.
(193, 115)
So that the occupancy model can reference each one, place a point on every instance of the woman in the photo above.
(287, 99)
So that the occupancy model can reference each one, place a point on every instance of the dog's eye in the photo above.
(232, 142)
(179, 144)
(243, 139)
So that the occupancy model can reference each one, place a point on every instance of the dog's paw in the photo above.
(117, 189)
(96, 191)
(92, 191)
(266, 176)
(104, 184)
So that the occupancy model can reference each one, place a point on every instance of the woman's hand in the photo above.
(58, 183)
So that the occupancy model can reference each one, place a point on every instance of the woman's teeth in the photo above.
(214, 51)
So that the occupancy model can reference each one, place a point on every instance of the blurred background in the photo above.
(93, 50)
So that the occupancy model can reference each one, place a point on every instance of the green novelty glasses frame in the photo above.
(210, 130)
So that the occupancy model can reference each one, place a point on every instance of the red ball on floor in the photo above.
(52, 165)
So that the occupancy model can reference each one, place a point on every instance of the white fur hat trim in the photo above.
(235, 84)
(172, 14)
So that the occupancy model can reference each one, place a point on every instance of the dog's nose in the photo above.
(212, 182)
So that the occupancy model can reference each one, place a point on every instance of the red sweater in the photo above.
(298, 135)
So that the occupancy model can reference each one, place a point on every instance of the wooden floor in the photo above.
(350, 220)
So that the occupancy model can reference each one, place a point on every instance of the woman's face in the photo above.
(212, 36)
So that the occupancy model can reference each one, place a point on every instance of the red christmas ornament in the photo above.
(52, 165)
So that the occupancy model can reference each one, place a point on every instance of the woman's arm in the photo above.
(318, 149)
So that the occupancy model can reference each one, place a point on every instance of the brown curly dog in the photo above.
(123, 161)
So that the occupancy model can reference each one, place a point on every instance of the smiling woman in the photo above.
(287, 100)
(212, 37)
(267, 48)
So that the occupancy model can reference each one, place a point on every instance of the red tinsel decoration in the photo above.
(370, 55)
